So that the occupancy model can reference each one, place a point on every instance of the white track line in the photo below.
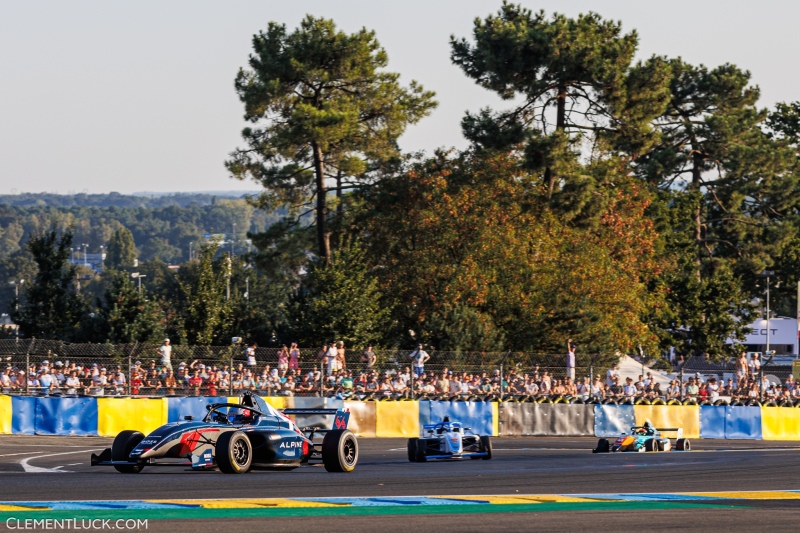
(36, 469)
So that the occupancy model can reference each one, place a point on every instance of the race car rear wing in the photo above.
(342, 416)
(678, 430)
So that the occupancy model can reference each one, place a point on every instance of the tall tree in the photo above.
(205, 308)
(728, 186)
(126, 315)
(322, 107)
(51, 308)
(578, 89)
(121, 250)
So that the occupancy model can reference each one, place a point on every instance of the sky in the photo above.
(125, 96)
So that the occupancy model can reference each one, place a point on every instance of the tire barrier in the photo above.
(557, 419)
(108, 416)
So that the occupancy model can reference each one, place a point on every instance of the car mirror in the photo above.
(467, 429)
(188, 417)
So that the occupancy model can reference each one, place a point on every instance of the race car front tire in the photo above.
(603, 446)
(412, 450)
(234, 453)
(650, 445)
(121, 449)
(422, 451)
(683, 445)
(486, 446)
(339, 451)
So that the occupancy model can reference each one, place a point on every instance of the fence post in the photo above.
(322, 377)
(27, 373)
(130, 366)
(230, 378)
(591, 380)
(680, 385)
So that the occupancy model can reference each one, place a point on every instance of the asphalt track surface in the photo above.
(57, 469)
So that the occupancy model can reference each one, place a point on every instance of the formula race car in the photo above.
(448, 440)
(236, 438)
(644, 438)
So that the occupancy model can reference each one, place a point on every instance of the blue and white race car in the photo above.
(448, 440)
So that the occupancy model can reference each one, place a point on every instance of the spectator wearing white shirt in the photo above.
(612, 372)
(629, 389)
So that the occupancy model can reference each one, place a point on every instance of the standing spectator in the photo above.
(571, 359)
(137, 383)
(250, 354)
(73, 383)
(294, 357)
(418, 359)
(673, 391)
(99, 383)
(596, 389)
(322, 355)
(283, 358)
(165, 351)
(629, 390)
(332, 358)
(118, 381)
(195, 383)
(755, 365)
(611, 374)
(742, 369)
(341, 359)
(368, 359)
(692, 389)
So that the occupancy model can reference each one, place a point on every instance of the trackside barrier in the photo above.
(397, 419)
(140, 414)
(108, 416)
(6, 414)
(780, 423)
(477, 415)
(671, 416)
(546, 419)
(362, 417)
(730, 422)
(66, 416)
(611, 420)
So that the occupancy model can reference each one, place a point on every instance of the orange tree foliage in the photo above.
(469, 234)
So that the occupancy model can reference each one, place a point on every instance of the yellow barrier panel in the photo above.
(397, 419)
(139, 414)
(362, 418)
(5, 414)
(780, 423)
(671, 416)
(495, 419)
(279, 402)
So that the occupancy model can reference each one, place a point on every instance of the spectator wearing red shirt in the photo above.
(196, 383)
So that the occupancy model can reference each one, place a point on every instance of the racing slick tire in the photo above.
(422, 447)
(234, 453)
(603, 446)
(339, 451)
(412, 450)
(486, 446)
(683, 445)
(121, 449)
(650, 445)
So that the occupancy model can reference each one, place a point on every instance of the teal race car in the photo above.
(646, 438)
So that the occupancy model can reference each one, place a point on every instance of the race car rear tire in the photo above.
(683, 445)
(234, 453)
(121, 449)
(421, 451)
(412, 450)
(486, 446)
(650, 445)
(659, 446)
(603, 446)
(340, 451)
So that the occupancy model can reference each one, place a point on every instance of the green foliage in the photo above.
(341, 302)
(205, 310)
(121, 250)
(51, 308)
(321, 104)
(124, 315)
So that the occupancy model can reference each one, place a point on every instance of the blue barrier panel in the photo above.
(611, 420)
(23, 419)
(477, 415)
(743, 422)
(730, 422)
(194, 406)
(66, 416)
(713, 421)
(424, 412)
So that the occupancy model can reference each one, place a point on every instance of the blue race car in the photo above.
(237, 437)
(448, 440)
(644, 438)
